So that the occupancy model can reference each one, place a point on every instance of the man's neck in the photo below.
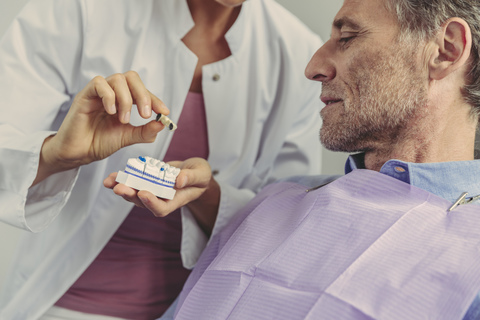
(442, 146)
(444, 131)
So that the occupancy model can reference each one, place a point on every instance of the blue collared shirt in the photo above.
(447, 180)
(444, 179)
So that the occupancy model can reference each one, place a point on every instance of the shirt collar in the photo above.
(444, 179)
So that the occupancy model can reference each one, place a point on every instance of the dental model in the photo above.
(155, 176)
(166, 122)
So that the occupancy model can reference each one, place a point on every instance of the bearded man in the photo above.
(397, 237)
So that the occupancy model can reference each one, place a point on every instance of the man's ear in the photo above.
(451, 50)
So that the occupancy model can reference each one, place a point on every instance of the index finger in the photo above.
(158, 106)
(144, 99)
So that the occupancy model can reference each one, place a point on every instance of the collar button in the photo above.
(399, 169)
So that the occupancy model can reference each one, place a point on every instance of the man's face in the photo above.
(373, 85)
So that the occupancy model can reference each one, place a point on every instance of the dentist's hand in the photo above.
(97, 124)
(195, 187)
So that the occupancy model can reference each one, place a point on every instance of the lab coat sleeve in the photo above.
(21, 206)
(37, 71)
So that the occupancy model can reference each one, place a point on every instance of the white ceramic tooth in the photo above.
(152, 169)
(136, 165)
(160, 172)
(171, 174)
(167, 122)
(176, 172)
(163, 169)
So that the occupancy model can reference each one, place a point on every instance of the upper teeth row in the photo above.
(153, 169)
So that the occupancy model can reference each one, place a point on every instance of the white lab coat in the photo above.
(262, 117)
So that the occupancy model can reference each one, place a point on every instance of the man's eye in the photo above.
(345, 39)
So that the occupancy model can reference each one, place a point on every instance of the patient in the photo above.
(401, 85)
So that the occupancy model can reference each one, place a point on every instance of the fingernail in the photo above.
(143, 199)
(112, 109)
(147, 111)
(185, 180)
(126, 117)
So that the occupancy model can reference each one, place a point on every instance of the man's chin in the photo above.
(342, 149)
(337, 145)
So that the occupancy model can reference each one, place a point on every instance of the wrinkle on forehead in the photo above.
(372, 15)
(369, 10)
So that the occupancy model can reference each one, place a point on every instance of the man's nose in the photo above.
(321, 67)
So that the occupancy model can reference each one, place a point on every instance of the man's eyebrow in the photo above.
(345, 22)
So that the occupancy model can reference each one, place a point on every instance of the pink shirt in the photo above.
(139, 272)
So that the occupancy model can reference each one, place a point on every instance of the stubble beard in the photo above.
(382, 94)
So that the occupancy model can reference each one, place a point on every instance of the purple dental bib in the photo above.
(365, 246)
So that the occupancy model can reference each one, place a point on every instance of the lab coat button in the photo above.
(216, 77)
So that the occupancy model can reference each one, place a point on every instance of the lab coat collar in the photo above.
(180, 18)
(235, 35)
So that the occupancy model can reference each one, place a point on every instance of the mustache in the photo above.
(332, 90)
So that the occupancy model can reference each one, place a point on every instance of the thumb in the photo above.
(182, 180)
(198, 176)
(145, 134)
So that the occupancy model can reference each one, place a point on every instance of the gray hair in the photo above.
(421, 20)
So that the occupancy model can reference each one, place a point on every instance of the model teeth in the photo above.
(153, 170)
(155, 176)
(136, 166)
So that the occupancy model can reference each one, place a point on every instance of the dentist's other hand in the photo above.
(195, 188)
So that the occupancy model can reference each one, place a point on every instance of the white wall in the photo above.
(317, 14)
